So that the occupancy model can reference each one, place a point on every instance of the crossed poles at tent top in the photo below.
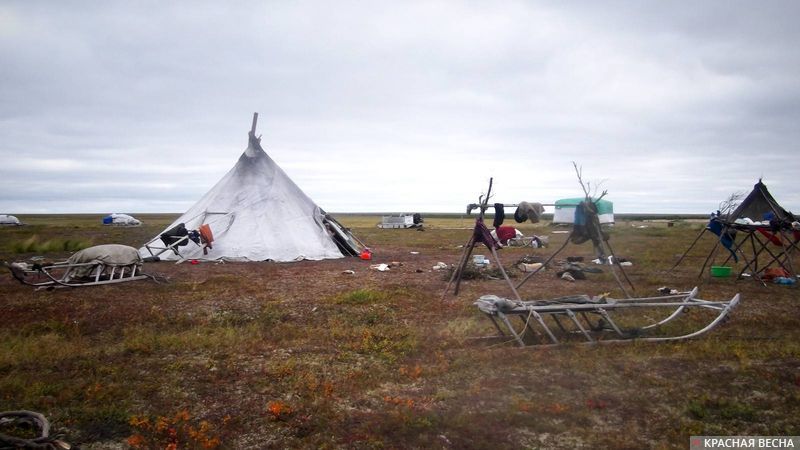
(481, 235)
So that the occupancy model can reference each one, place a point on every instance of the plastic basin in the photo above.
(720, 271)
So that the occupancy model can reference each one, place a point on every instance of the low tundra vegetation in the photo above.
(303, 355)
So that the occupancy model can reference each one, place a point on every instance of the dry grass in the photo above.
(268, 355)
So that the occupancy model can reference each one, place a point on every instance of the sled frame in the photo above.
(572, 319)
(58, 275)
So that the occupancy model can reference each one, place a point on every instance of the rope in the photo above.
(521, 334)
(158, 279)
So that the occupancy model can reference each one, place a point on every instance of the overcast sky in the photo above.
(121, 106)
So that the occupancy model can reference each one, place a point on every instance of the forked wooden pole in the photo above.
(468, 248)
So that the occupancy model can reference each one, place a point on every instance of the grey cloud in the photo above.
(676, 105)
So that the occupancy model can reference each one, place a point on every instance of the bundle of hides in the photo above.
(527, 210)
(108, 255)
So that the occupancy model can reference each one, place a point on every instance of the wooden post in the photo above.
(616, 263)
(461, 264)
(505, 275)
(255, 120)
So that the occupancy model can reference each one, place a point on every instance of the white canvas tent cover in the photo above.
(257, 213)
(8, 219)
(121, 219)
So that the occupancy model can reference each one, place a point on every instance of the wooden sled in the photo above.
(83, 269)
(571, 317)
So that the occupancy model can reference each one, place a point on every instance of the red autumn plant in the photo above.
(411, 372)
(172, 432)
(279, 410)
(596, 404)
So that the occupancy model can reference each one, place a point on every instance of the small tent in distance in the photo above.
(565, 210)
(254, 213)
(9, 220)
(121, 220)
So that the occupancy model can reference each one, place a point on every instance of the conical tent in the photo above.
(257, 213)
(767, 239)
(758, 205)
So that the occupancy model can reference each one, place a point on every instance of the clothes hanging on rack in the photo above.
(586, 227)
(528, 211)
(499, 215)
(727, 236)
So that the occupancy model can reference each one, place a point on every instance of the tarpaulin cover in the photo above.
(121, 219)
(108, 254)
(7, 219)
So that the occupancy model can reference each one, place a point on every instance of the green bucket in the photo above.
(720, 271)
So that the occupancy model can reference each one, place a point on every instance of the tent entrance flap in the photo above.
(345, 241)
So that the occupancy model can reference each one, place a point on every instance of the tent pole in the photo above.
(786, 251)
(255, 120)
(689, 249)
(751, 263)
(545, 263)
(616, 263)
(505, 275)
(737, 248)
(708, 258)
(616, 277)
(461, 263)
